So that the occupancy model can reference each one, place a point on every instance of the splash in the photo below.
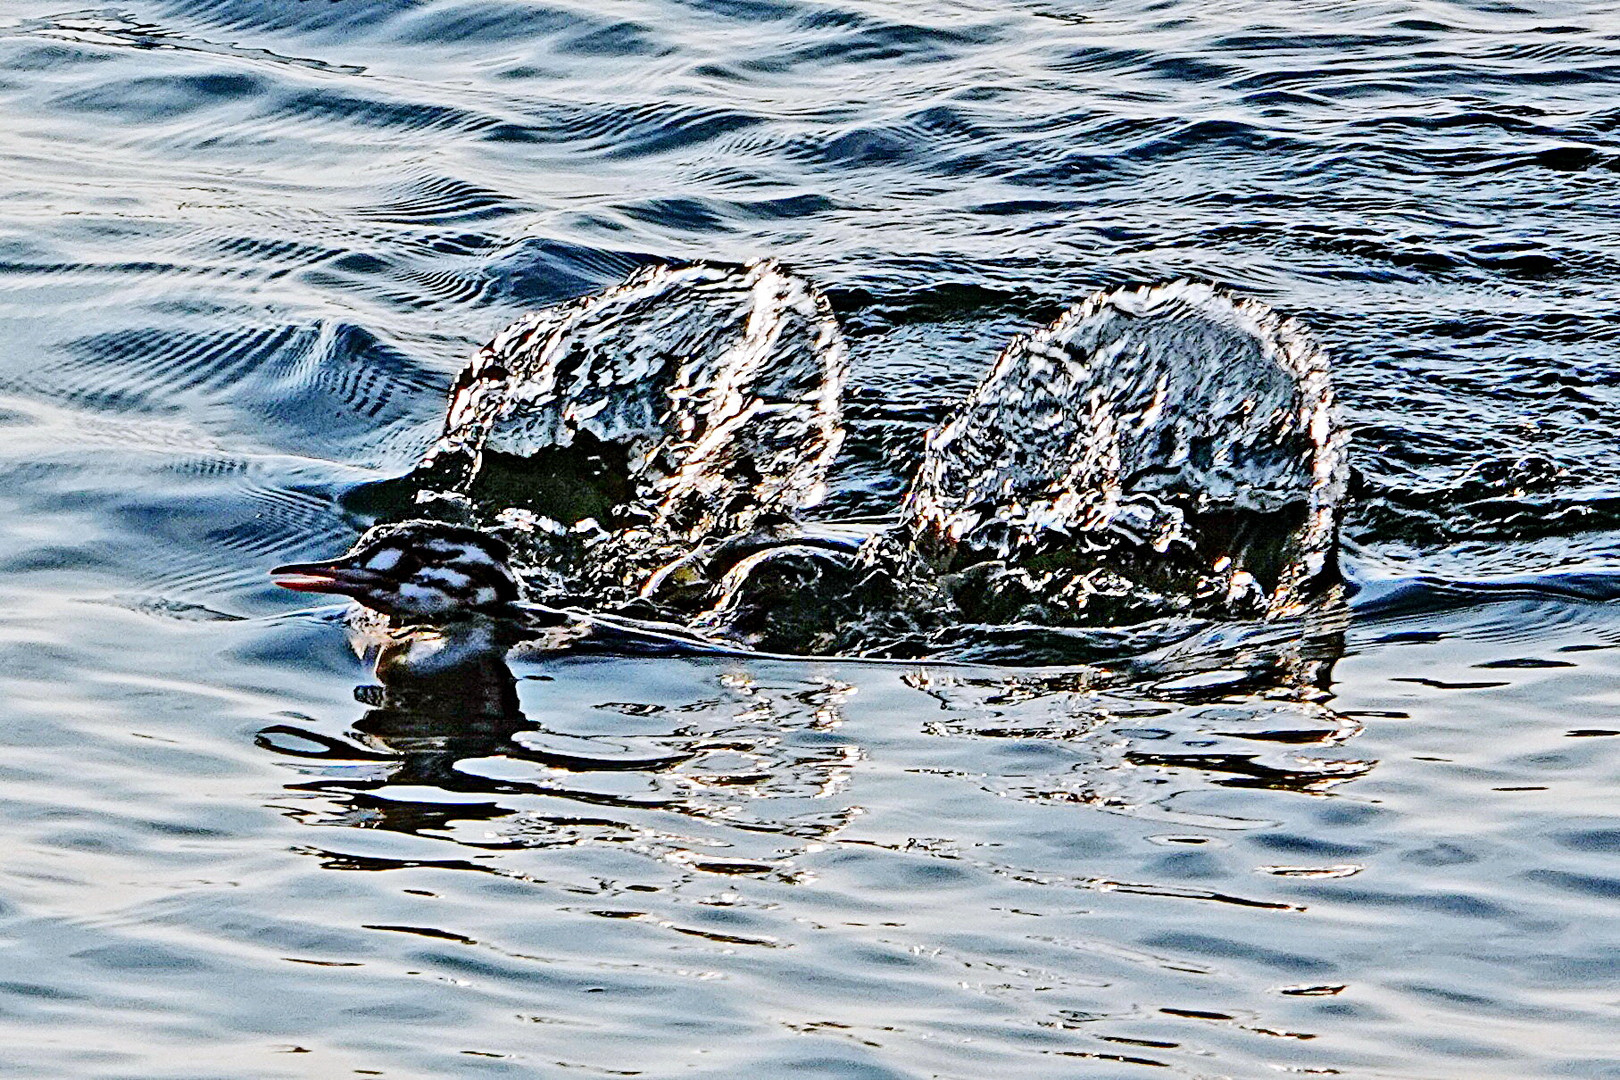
(1153, 450)
(1164, 453)
(636, 429)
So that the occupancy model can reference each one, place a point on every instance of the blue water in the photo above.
(246, 244)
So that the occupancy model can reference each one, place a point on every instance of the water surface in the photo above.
(244, 247)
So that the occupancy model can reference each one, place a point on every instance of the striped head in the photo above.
(415, 572)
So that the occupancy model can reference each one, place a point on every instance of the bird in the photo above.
(655, 453)
(444, 602)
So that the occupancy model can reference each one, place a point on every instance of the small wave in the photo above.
(310, 20)
(99, 29)
(440, 200)
(307, 108)
(164, 608)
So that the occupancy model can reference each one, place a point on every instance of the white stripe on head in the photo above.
(452, 580)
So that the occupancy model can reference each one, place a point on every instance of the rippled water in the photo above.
(244, 246)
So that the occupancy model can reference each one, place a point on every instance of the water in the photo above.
(245, 247)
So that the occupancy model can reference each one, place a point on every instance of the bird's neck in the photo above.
(455, 673)
(431, 650)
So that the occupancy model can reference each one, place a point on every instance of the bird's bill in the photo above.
(334, 576)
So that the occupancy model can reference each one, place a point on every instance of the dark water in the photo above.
(245, 244)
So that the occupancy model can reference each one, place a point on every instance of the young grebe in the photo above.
(654, 453)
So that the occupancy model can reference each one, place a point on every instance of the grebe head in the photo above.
(415, 572)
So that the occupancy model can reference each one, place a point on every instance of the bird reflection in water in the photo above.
(737, 781)
(420, 734)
